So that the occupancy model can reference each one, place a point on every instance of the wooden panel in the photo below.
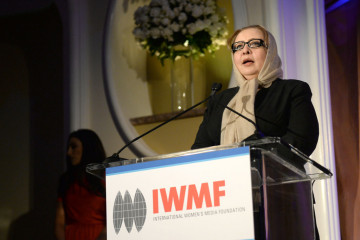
(343, 68)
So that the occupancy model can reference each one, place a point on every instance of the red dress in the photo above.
(85, 213)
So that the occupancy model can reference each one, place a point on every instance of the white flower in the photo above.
(197, 11)
(165, 21)
(146, 32)
(219, 41)
(207, 23)
(155, 12)
(200, 25)
(188, 8)
(223, 32)
(140, 15)
(156, 21)
(210, 3)
(138, 33)
(213, 31)
(208, 11)
(218, 25)
(192, 28)
(155, 33)
(172, 21)
(167, 33)
(169, 13)
(175, 27)
(164, 3)
(176, 11)
(182, 17)
(214, 18)
(144, 19)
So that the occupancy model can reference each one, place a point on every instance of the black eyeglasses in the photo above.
(253, 43)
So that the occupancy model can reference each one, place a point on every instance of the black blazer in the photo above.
(282, 110)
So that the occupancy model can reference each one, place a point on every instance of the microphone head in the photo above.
(216, 87)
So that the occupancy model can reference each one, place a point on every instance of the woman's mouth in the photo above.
(247, 62)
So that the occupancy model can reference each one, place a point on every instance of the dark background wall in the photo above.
(34, 116)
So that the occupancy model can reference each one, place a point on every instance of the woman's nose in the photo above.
(68, 151)
(246, 49)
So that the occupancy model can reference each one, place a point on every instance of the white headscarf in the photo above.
(233, 127)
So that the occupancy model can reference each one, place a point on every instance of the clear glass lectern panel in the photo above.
(282, 190)
(288, 211)
(283, 208)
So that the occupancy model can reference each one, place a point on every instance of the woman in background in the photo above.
(81, 206)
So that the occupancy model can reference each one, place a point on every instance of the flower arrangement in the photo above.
(170, 29)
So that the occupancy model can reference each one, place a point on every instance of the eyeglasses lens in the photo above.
(254, 43)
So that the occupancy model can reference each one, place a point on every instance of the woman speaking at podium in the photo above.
(280, 108)
(276, 107)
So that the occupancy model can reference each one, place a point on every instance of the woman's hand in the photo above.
(60, 222)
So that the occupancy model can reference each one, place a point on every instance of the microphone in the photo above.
(115, 157)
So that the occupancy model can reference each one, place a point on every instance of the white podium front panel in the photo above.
(200, 196)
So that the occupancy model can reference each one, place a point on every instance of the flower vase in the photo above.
(173, 87)
(182, 84)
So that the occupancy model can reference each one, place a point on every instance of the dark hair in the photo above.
(93, 152)
(232, 38)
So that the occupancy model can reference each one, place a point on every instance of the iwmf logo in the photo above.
(129, 211)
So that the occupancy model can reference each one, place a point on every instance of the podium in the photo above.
(258, 189)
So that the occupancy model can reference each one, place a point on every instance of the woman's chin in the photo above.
(75, 162)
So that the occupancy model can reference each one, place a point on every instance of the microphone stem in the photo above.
(241, 115)
(256, 127)
(174, 117)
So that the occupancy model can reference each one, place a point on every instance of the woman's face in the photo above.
(75, 150)
(249, 61)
